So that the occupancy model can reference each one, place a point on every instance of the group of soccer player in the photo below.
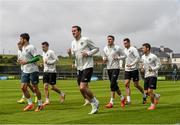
(82, 51)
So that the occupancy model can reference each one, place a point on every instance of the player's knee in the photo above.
(82, 89)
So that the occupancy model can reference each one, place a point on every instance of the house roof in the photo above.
(176, 55)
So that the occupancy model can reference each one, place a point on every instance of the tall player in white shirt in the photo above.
(151, 65)
(83, 49)
(131, 69)
(49, 75)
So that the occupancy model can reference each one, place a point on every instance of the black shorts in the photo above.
(49, 78)
(150, 83)
(84, 75)
(113, 77)
(132, 75)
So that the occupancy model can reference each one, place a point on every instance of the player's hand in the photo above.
(69, 51)
(23, 62)
(105, 59)
(142, 70)
(84, 54)
(129, 65)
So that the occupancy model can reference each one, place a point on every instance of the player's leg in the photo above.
(127, 78)
(31, 88)
(112, 93)
(25, 79)
(146, 86)
(115, 86)
(34, 77)
(79, 76)
(86, 77)
(46, 88)
(153, 96)
(55, 88)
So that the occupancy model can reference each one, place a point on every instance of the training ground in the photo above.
(71, 111)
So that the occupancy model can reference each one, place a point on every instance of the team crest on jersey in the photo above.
(149, 59)
(114, 49)
(81, 43)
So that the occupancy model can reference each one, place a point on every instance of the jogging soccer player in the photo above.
(83, 49)
(151, 65)
(23, 99)
(131, 70)
(30, 71)
(112, 54)
(49, 75)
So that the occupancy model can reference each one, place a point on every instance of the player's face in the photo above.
(44, 48)
(145, 50)
(126, 44)
(76, 33)
(22, 41)
(110, 41)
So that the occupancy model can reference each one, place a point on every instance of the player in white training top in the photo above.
(49, 75)
(150, 66)
(112, 54)
(83, 49)
(131, 69)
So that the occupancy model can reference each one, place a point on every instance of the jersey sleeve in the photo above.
(92, 47)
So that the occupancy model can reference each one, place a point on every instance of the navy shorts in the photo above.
(150, 83)
(84, 75)
(49, 78)
(30, 77)
(132, 75)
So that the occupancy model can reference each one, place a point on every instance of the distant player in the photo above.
(83, 49)
(151, 65)
(23, 99)
(131, 70)
(30, 71)
(112, 54)
(49, 76)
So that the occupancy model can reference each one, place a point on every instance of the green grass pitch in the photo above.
(71, 112)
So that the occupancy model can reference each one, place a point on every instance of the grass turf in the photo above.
(71, 112)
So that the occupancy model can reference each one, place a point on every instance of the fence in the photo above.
(68, 72)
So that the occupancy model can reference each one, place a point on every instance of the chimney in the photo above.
(162, 48)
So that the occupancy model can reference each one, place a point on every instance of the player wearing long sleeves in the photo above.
(131, 69)
(49, 75)
(112, 54)
(83, 49)
(30, 71)
(151, 65)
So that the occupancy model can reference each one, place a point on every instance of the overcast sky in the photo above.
(153, 21)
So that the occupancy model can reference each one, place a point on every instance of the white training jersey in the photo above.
(113, 55)
(132, 58)
(51, 59)
(151, 61)
(84, 44)
(28, 52)
(19, 56)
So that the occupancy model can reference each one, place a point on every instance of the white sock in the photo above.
(47, 99)
(111, 100)
(29, 101)
(62, 94)
(86, 100)
(122, 97)
(152, 104)
(144, 95)
(34, 94)
(128, 99)
(39, 102)
(23, 97)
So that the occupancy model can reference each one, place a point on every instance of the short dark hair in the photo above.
(147, 45)
(78, 28)
(45, 43)
(25, 36)
(127, 39)
(111, 37)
